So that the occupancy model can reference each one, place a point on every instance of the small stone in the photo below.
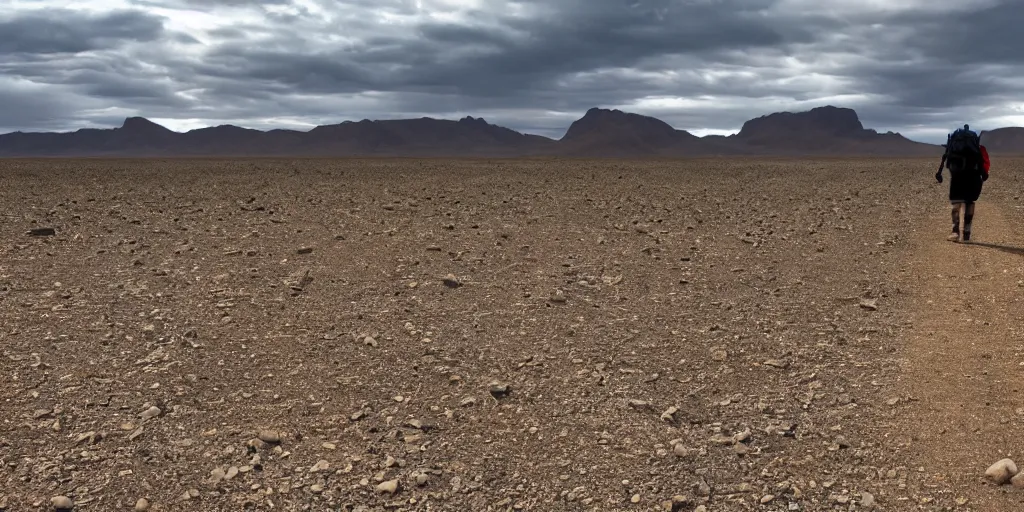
(421, 479)
(500, 390)
(867, 500)
(451, 281)
(42, 232)
(217, 475)
(231, 473)
(329, 446)
(388, 487)
(777, 363)
(669, 414)
(269, 436)
(358, 415)
(142, 505)
(679, 450)
(1001, 472)
(305, 250)
(768, 498)
(151, 413)
(322, 465)
(869, 304)
(635, 499)
(62, 503)
(1018, 480)
(316, 488)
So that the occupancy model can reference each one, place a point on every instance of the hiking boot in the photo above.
(954, 237)
(967, 237)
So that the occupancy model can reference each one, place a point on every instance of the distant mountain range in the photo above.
(824, 131)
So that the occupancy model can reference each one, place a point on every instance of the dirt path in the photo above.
(965, 358)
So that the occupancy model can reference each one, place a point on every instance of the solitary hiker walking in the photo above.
(968, 164)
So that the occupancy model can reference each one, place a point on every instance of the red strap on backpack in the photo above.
(984, 159)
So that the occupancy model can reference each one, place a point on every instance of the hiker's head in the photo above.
(967, 126)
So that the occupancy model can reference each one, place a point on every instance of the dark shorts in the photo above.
(964, 184)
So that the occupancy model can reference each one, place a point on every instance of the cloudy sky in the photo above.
(920, 67)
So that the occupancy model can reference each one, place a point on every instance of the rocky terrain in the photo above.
(370, 335)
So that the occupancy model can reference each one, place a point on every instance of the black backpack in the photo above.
(963, 143)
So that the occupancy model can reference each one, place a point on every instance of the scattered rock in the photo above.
(1018, 480)
(42, 232)
(151, 413)
(269, 436)
(451, 281)
(670, 414)
(142, 505)
(305, 250)
(500, 390)
(62, 503)
(1001, 472)
(388, 487)
(867, 500)
(679, 450)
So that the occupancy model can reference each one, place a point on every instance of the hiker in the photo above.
(968, 164)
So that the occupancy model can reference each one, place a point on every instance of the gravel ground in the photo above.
(460, 335)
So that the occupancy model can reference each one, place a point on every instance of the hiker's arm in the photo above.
(938, 174)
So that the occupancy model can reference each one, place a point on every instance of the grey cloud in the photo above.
(68, 31)
(518, 58)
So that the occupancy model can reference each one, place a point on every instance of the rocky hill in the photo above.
(1004, 141)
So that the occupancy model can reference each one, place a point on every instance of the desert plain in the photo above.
(493, 335)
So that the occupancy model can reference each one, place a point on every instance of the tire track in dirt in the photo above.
(964, 359)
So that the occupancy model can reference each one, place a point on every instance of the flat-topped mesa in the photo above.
(142, 125)
(1004, 140)
(820, 121)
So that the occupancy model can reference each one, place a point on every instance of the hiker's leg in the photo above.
(968, 217)
(956, 217)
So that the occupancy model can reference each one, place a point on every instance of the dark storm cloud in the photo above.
(520, 56)
(984, 34)
(67, 31)
(531, 65)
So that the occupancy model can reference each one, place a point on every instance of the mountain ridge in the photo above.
(600, 132)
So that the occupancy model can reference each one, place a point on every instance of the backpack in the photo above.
(964, 144)
(985, 163)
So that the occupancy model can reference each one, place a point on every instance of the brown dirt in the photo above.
(964, 357)
(734, 292)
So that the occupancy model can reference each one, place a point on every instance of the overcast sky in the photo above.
(920, 67)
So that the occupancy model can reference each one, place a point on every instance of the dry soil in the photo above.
(539, 335)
